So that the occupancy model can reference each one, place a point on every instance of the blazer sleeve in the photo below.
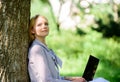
(38, 68)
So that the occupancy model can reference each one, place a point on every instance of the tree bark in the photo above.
(14, 21)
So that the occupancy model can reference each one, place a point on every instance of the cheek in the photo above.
(48, 29)
(38, 29)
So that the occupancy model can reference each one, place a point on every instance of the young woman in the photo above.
(43, 65)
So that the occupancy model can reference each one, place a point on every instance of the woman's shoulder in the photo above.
(35, 47)
(35, 50)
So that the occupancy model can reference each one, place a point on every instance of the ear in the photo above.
(32, 31)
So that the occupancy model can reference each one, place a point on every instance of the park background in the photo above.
(73, 45)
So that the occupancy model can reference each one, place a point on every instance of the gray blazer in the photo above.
(43, 65)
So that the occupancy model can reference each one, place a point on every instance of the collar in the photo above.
(58, 61)
(41, 44)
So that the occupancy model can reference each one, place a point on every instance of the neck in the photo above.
(42, 40)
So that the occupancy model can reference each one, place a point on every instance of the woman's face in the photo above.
(41, 28)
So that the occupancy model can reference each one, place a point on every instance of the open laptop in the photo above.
(90, 68)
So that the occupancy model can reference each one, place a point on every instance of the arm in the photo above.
(75, 79)
(38, 67)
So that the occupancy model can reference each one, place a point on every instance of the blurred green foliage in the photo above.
(105, 20)
(74, 48)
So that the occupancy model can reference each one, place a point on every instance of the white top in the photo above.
(43, 65)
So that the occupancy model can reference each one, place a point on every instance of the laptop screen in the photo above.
(90, 68)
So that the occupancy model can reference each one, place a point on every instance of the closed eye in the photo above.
(46, 24)
(39, 24)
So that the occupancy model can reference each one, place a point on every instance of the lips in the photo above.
(44, 30)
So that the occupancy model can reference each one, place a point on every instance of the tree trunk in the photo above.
(14, 20)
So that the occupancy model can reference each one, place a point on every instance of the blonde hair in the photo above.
(31, 25)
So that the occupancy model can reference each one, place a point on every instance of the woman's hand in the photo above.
(79, 79)
(76, 79)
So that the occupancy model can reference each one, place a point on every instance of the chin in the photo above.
(45, 34)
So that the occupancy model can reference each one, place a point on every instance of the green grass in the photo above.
(74, 49)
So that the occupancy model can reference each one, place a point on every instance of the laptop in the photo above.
(90, 68)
